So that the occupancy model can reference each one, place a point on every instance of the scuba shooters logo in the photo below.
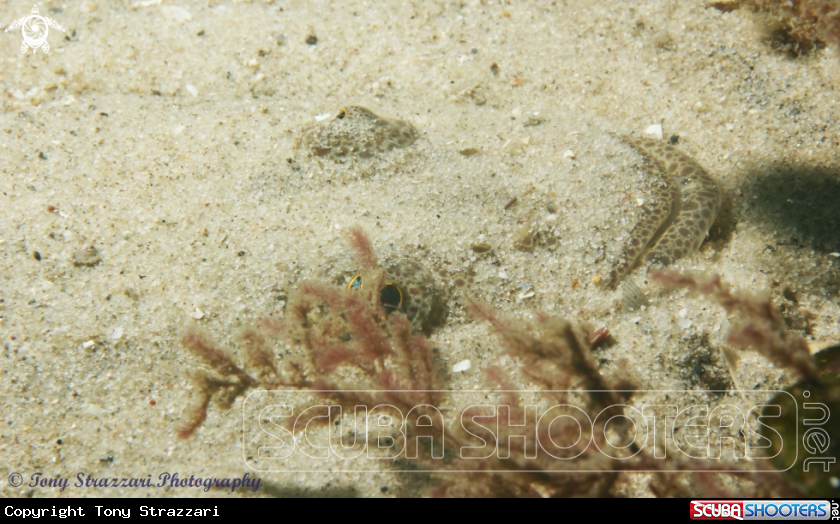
(760, 510)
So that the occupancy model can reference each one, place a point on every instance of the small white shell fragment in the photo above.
(503, 274)
(640, 202)
(191, 89)
(569, 154)
(684, 323)
(462, 366)
(683, 313)
(523, 296)
(632, 297)
(117, 333)
(655, 131)
(88, 344)
(835, 255)
(198, 315)
(321, 118)
(147, 3)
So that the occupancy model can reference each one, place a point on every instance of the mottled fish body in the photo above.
(684, 205)
(357, 132)
(658, 212)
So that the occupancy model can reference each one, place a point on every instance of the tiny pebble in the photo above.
(462, 366)
(684, 323)
(569, 154)
(683, 313)
(596, 279)
(88, 344)
(198, 315)
(191, 89)
(654, 131)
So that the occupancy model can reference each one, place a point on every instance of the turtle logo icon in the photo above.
(35, 31)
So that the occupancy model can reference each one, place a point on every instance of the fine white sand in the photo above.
(160, 132)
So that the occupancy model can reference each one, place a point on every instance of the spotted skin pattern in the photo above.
(357, 132)
(421, 300)
(679, 223)
(419, 291)
(659, 211)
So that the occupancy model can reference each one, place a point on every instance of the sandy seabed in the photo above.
(163, 134)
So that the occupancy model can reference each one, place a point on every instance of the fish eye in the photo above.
(342, 114)
(355, 283)
(391, 297)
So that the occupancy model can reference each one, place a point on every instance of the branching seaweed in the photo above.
(349, 349)
(557, 355)
(763, 329)
(797, 27)
(335, 329)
